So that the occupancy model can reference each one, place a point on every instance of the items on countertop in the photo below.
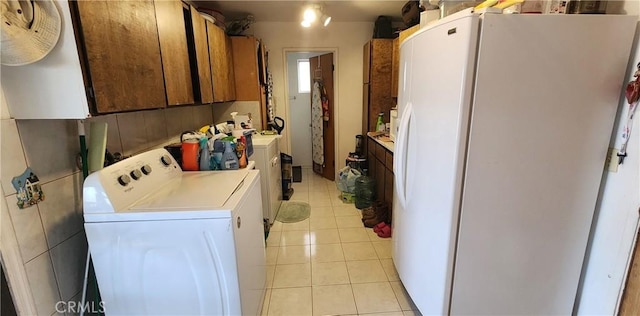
(224, 146)
(190, 153)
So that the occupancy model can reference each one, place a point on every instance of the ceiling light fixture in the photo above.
(312, 13)
(325, 19)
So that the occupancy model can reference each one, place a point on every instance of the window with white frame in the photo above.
(304, 76)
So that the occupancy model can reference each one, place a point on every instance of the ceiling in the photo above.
(291, 11)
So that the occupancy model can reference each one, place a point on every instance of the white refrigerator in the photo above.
(504, 128)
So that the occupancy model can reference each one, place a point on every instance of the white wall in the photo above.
(615, 221)
(347, 39)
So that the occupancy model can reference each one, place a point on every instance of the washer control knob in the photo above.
(124, 180)
(146, 169)
(166, 160)
(136, 174)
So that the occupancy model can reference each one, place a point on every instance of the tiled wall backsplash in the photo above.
(135, 132)
(50, 234)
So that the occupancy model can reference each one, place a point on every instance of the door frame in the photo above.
(14, 267)
(336, 88)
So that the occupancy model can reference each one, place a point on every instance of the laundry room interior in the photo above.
(319, 157)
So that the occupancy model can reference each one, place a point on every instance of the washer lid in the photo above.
(263, 140)
(208, 190)
(194, 195)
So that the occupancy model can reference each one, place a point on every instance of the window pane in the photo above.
(304, 78)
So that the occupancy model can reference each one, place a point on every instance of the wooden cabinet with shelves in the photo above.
(221, 59)
(122, 55)
(377, 82)
(174, 50)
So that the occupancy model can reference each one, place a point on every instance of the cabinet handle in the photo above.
(239, 222)
(274, 161)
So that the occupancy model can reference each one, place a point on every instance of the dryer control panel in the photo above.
(118, 186)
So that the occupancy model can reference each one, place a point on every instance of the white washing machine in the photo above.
(167, 242)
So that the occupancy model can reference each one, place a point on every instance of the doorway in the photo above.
(6, 303)
(305, 68)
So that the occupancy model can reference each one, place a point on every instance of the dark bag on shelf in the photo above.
(382, 28)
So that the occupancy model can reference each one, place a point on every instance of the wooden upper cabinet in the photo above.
(123, 54)
(219, 53)
(245, 63)
(202, 62)
(175, 55)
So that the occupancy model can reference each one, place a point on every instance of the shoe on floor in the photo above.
(377, 228)
(373, 221)
(384, 232)
(368, 213)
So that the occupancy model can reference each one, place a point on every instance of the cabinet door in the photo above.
(201, 47)
(123, 54)
(218, 56)
(380, 174)
(370, 149)
(245, 62)
(174, 51)
(371, 164)
(388, 186)
(231, 83)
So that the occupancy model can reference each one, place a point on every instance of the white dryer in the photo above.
(167, 242)
(266, 154)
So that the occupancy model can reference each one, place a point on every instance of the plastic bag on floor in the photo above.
(347, 179)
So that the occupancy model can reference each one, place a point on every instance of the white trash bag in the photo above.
(347, 179)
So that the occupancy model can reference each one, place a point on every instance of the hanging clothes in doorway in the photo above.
(317, 117)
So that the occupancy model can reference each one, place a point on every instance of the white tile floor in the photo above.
(330, 264)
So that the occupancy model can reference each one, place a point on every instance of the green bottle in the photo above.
(380, 124)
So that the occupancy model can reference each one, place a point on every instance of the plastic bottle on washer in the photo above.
(205, 155)
(229, 157)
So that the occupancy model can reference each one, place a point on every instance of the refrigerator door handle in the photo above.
(399, 161)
